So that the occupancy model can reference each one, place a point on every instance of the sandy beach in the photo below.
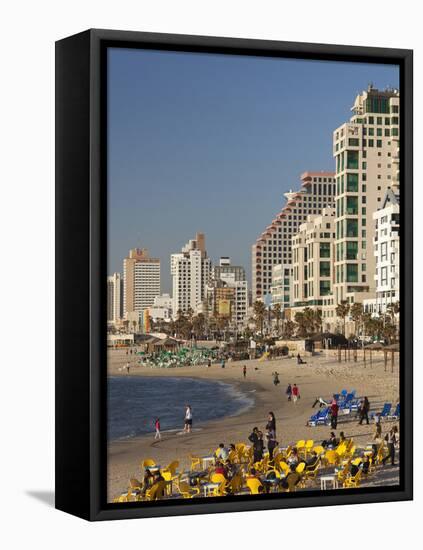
(321, 376)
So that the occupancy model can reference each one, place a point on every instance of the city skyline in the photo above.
(220, 150)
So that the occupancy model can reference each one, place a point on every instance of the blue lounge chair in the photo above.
(396, 414)
(385, 411)
(324, 417)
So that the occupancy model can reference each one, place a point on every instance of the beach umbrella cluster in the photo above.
(181, 358)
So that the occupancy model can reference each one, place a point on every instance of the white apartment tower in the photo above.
(273, 246)
(191, 271)
(366, 151)
(114, 297)
(141, 276)
(387, 254)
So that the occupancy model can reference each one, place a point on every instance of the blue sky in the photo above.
(201, 142)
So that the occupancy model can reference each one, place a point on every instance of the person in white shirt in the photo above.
(188, 419)
(222, 452)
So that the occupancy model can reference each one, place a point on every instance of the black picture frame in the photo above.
(81, 237)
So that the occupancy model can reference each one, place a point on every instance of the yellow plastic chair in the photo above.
(353, 481)
(283, 466)
(343, 472)
(222, 481)
(195, 462)
(156, 492)
(186, 491)
(172, 467)
(308, 446)
(235, 485)
(319, 450)
(288, 451)
(300, 468)
(254, 485)
(124, 497)
(233, 456)
(331, 458)
(300, 445)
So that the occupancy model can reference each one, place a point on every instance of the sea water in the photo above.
(134, 402)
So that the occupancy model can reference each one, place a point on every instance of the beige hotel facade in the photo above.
(366, 152)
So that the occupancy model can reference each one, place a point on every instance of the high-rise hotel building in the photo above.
(141, 277)
(191, 271)
(273, 246)
(114, 297)
(366, 151)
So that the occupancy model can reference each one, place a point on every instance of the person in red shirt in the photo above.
(295, 393)
(334, 408)
(157, 427)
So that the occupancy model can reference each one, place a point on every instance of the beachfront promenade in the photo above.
(322, 376)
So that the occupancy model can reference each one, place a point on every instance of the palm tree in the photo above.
(356, 312)
(317, 320)
(259, 314)
(342, 311)
(393, 310)
(301, 320)
(277, 312)
(289, 329)
(198, 324)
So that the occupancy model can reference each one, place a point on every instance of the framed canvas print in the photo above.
(234, 274)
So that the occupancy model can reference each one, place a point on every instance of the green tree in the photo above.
(289, 329)
(356, 312)
(393, 311)
(342, 311)
(301, 321)
(199, 325)
(259, 314)
(277, 312)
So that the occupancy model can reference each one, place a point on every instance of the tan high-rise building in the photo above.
(273, 246)
(312, 263)
(366, 151)
(141, 276)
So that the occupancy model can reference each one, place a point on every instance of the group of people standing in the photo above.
(187, 423)
(257, 439)
(292, 392)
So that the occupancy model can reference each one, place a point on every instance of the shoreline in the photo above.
(246, 390)
(321, 376)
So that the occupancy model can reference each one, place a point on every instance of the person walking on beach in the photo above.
(276, 378)
(391, 439)
(271, 422)
(128, 366)
(223, 364)
(157, 427)
(209, 363)
(334, 408)
(188, 419)
(258, 448)
(289, 392)
(295, 393)
(364, 411)
(244, 371)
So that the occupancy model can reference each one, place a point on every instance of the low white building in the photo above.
(161, 308)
